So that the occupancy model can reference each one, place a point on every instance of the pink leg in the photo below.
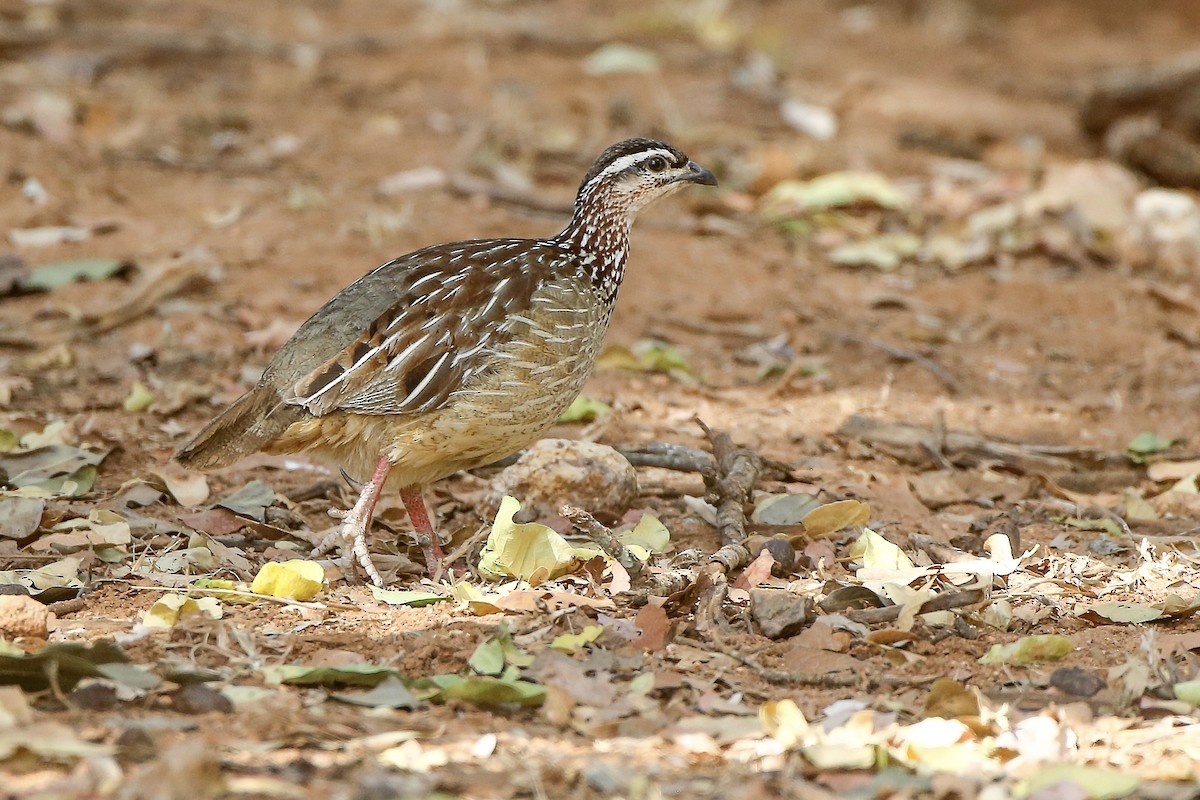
(418, 513)
(357, 522)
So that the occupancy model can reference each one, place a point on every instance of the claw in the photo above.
(351, 535)
(353, 484)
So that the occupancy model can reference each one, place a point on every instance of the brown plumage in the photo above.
(452, 356)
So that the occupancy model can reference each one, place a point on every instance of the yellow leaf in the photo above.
(833, 517)
(291, 580)
(876, 552)
(230, 590)
(571, 642)
(785, 723)
(139, 399)
(529, 551)
(1029, 650)
(169, 609)
(649, 534)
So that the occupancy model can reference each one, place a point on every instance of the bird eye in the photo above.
(656, 164)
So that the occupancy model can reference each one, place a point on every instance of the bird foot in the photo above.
(351, 537)
(432, 549)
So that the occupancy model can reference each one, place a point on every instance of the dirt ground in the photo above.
(238, 157)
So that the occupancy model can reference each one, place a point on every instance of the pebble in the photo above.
(779, 613)
(21, 615)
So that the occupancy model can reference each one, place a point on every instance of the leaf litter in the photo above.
(610, 676)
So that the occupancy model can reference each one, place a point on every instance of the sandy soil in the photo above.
(252, 139)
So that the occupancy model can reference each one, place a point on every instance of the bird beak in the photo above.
(698, 174)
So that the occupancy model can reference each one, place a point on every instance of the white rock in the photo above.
(556, 472)
(21, 615)
(1164, 233)
(1101, 192)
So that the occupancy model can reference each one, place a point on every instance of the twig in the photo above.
(737, 472)
(899, 353)
(942, 602)
(62, 607)
(241, 593)
(1088, 511)
(603, 536)
(461, 550)
(665, 455)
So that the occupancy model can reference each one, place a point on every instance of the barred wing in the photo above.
(454, 303)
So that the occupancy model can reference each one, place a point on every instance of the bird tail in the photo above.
(254, 420)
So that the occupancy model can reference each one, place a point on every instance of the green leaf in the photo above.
(250, 501)
(1029, 650)
(390, 693)
(1188, 692)
(1103, 524)
(69, 662)
(488, 658)
(497, 653)
(585, 409)
(833, 190)
(130, 675)
(413, 599)
(1123, 612)
(1145, 444)
(1097, 783)
(60, 273)
(348, 674)
(783, 509)
(56, 469)
(647, 355)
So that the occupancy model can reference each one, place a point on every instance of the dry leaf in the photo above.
(189, 488)
(653, 623)
(832, 517)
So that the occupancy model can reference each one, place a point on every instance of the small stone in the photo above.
(779, 613)
(1076, 681)
(196, 698)
(557, 472)
(136, 744)
(21, 615)
(603, 778)
(94, 696)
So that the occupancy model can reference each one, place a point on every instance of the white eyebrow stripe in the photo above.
(625, 162)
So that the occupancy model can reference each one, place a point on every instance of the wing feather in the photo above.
(452, 307)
